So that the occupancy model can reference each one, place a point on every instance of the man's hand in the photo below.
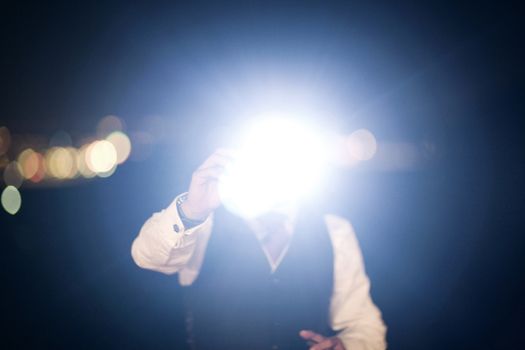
(203, 195)
(319, 342)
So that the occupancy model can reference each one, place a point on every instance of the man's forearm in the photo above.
(164, 244)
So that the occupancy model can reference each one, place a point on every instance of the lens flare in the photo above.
(279, 162)
(361, 145)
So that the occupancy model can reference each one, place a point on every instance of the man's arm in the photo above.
(353, 313)
(164, 244)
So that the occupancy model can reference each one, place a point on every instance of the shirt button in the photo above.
(275, 347)
(176, 228)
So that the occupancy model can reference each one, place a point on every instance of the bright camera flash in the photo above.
(279, 162)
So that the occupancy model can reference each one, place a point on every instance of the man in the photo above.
(285, 280)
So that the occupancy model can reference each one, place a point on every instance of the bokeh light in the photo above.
(31, 165)
(122, 145)
(109, 124)
(40, 173)
(5, 140)
(12, 175)
(361, 145)
(107, 173)
(101, 156)
(11, 200)
(61, 162)
(28, 163)
(82, 166)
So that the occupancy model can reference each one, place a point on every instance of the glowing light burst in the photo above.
(279, 162)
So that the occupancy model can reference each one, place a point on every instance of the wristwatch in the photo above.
(187, 222)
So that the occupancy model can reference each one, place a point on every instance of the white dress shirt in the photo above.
(164, 245)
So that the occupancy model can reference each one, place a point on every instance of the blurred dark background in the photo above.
(442, 238)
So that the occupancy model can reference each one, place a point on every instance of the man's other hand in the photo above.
(203, 195)
(319, 342)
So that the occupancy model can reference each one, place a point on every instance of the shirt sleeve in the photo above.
(163, 243)
(353, 314)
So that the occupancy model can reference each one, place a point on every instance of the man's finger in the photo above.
(328, 343)
(221, 157)
(211, 173)
(216, 160)
(339, 346)
(309, 335)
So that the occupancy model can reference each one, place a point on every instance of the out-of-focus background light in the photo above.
(28, 163)
(11, 200)
(12, 175)
(41, 162)
(101, 156)
(108, 125)
(61, 162)
(82, 164)
(122, 145)
(31, 165)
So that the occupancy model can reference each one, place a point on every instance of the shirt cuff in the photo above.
(352, 343)
(176, 221)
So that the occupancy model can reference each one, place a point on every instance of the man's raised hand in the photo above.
(203, 195)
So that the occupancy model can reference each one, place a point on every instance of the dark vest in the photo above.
(238, 303)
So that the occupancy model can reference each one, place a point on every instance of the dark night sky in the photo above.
(443, 242)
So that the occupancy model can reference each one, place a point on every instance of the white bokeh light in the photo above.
(101, 156)
(11, 200)
(122, 145)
